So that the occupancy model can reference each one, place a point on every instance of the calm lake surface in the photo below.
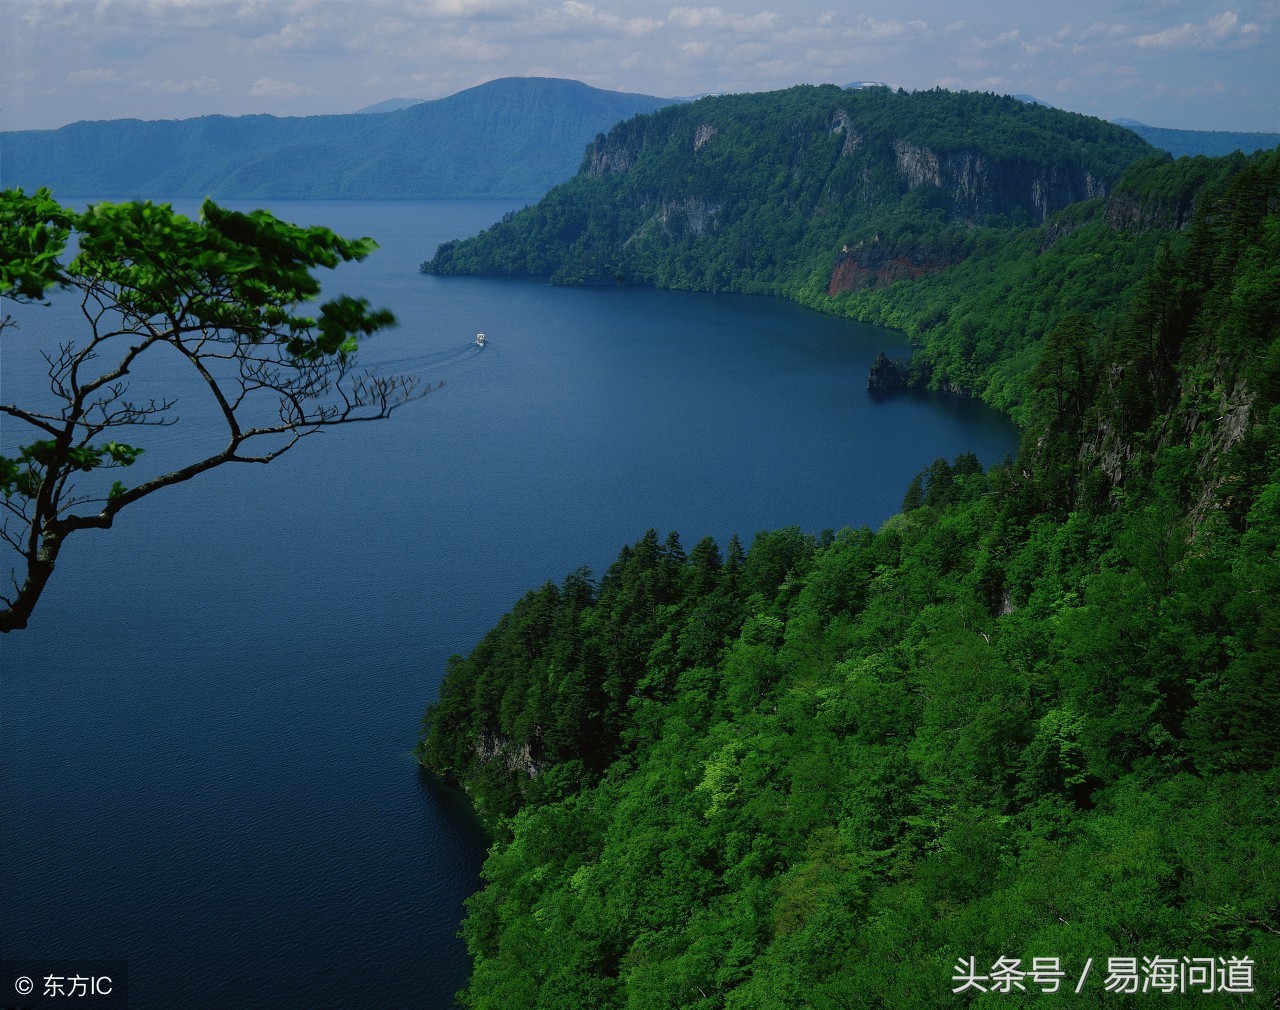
(206, 732)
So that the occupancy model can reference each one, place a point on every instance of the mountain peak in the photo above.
(390, 105)
(513, 137)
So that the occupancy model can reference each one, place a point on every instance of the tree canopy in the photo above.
(224, 293)
(1030, 719)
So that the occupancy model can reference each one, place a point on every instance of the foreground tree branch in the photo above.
(222, 292)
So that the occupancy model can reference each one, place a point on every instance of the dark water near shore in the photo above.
(206, 733)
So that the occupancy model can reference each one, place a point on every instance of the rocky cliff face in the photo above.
(603, 158)
(967, 186)
(841, 124)
(615, 153)
(517, 758)
(745, 192)
(1128, 213)
(868, 266)
(1213, 411)
(692, 216)
(973, 186)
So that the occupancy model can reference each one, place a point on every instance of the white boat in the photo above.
(480, 339)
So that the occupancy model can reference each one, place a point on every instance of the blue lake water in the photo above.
(206, 732)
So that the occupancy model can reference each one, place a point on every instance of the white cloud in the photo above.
(320, 32)
(576, 16)
(94, 75)
(774, 68)
(176, 58)
(1104, 69)
(1220, 30)
(718, 19)
(45, 14)
(267, 87)
(467, 47)
(468, 8)
(1003, 39)
(194, 86)
(1034, 49)
(1102, 31)
(874, 30)
(697, 17)
(158, 18)
(819, 57)
(748, 52)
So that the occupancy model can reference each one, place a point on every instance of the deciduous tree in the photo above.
(222, 295)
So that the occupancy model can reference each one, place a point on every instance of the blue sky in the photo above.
(1176, 63)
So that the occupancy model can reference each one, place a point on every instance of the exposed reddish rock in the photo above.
(858, 270)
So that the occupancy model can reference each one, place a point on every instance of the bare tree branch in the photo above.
(225, 295)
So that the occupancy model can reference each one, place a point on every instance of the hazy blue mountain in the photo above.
(1213, 143)
(390, 105)
(515, 137)
(1189, 143)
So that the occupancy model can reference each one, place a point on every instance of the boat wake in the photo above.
(444, 358)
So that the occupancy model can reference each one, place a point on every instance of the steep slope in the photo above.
(981, 323)
(996, 211)
(755, 192)
(1026, 727)
(514, 137)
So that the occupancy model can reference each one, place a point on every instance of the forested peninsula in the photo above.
(1003, 212)
(1026, 727)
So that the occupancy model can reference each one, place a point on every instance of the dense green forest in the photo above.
(1031, 717)
(508, 138)
(1001, 213)
(757, 192)
(981, 322)
(830, 197)
(514, 137)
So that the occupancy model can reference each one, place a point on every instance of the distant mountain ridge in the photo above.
(1189, 143)
(509, 138)
(390, 105)
(1211, 143)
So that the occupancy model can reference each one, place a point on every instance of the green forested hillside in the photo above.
(1032, 717)
(514, 137)
(972, 222)
(755, 192)
(981, 323)
(824, 195)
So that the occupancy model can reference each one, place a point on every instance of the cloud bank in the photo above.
(1173, 62)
